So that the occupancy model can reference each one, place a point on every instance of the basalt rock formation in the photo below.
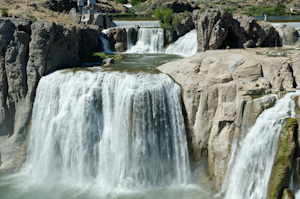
(223, 93)
(117, 39)
(28, 52)
(219, 29)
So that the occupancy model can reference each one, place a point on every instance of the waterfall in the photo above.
(111, 130)
(150, 40)
(140, 23)
(252, 168)
(105, 45)
(185, 45)
(129, 42)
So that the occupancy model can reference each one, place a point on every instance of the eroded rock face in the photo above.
(212, 28)
(222, 94)
(27, 52)
(217, 28)
(117, 39)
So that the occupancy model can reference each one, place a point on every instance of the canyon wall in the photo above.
(27, 52)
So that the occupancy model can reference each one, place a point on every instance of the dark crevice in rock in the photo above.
(294, 79)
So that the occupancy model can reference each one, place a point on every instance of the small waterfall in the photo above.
(129, 42)
(111, 130)
(140, 23)
(105, 45)
(150, 40)
(185, 45)
(252, 168)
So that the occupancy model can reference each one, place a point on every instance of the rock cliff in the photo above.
(219, 28)
(223, 93)
(27, 52)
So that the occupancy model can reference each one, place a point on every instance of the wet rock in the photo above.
(287, 194)
(283, 162)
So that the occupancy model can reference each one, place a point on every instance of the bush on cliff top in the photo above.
(4, 12)
(166, 18)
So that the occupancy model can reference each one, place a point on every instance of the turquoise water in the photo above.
(278, 18)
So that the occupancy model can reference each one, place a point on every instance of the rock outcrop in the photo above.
(289, 36)
(222, 95)
(216, 29)
(117, 39)
(27, 52)
(75, 16)
(283, 162)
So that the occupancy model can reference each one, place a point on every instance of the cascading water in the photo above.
(105, 45)
(252, 168)
(129, 42)
(110, 130)
(185, 46)
(150, 40)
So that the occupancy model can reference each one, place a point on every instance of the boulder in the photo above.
(212, 28)
(75, 16)
(108, 61)
(290, 36)
(117, 39)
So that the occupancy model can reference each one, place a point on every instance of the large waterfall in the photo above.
(252, 168)
(110, 130)
(185, 45)
(150, 40)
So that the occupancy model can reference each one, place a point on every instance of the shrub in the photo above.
(4, 12)
(176, 23)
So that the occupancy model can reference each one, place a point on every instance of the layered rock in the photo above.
(27, 53)
(222, 91)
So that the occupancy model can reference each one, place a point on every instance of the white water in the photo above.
(252, 168)
(140, 23)
(185, 45)
(105, 45)
(107, 130)
(150, 40)
(129, 42)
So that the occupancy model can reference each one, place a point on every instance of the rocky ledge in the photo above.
(223, 93)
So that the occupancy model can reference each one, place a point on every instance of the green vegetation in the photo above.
(32, 17)
(279, 9)
(166, 18)
(115, 56)
(4, 12)
(135, 2)
(87, 56)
